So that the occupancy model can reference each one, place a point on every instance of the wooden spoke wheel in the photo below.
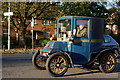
(57, 64)
(39, 61)
(107, 63)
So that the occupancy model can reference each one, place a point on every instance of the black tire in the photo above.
(57, 64)
(38, 59)
(107, 62)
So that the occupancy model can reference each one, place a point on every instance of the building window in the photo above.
(5, 32)
(46, 22)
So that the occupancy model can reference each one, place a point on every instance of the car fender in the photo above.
(117, 50)
(99, 55)
(103, 51)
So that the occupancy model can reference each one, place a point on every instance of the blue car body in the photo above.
(110, 43)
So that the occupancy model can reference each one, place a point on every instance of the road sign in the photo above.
(8, 13)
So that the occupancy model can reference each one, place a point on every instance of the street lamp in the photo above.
(8, 14)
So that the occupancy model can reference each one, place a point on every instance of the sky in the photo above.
(110, 2)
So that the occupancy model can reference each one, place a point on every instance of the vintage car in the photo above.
(79, 42)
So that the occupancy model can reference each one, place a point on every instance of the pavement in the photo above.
(20, 66)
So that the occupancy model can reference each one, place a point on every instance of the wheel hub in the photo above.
(108, 62)
(57, 65)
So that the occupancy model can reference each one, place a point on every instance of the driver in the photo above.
(81, 31)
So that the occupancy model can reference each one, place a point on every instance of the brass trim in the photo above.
(87, 40)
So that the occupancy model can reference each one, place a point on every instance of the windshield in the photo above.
(64, 28)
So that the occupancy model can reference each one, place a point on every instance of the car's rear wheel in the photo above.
(107, 62)
(39, 61)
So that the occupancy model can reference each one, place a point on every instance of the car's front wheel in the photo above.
(57, 64)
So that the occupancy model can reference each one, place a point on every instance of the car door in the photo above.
(80, 46)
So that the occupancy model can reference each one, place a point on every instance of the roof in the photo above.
(84, 17)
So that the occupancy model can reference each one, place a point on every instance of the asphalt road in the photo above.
(20, 66)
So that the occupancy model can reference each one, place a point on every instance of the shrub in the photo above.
(43, 42)
(11, 44)
(37, 42)
(5, 44)
(28, 41)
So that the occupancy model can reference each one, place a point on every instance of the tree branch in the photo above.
(43, 7)
(15, 26)
(34, 11)
(28, 8)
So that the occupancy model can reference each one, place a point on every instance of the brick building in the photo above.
(4, 32)
(42, 29)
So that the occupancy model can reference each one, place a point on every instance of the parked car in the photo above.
(110, 43)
